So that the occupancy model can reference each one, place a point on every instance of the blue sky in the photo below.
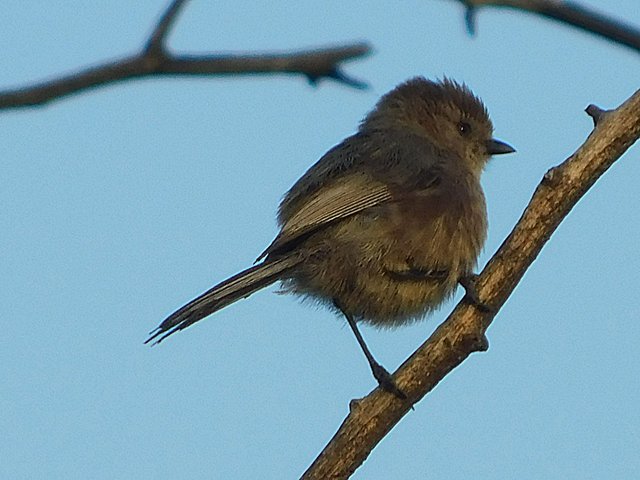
(120, 204)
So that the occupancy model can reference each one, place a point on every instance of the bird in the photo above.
(386, 224)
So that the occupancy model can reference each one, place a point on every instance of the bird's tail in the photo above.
(225, 293)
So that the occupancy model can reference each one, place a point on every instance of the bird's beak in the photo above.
(497, 147)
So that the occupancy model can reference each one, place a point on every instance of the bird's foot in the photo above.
(385, 380)
(469, 283)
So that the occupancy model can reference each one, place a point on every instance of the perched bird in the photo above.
(386, 224)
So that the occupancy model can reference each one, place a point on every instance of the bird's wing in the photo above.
(345, 197)
(408, 165)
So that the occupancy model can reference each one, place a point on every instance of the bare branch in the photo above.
(154, 60)
(156, 42)
(463, 333)
(567, 12)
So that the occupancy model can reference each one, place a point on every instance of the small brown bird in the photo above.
(386, 224)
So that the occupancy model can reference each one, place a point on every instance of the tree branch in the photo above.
(156, 42)
(463, 333)
(155, 60)
(567, 12)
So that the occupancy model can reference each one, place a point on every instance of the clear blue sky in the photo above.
(119, 205)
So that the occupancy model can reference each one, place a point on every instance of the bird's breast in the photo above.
(443, 231)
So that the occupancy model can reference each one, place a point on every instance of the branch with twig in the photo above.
(463, 333)
(155, 60)
(567, 12)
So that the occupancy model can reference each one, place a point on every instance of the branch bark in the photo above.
(463, 332)
(566, 12)
(155, 60)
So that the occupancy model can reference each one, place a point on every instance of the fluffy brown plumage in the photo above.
(387, 222)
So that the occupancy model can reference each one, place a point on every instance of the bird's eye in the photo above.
(464, 128)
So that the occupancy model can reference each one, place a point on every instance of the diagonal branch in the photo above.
(568, 12)
(155, 60)
(463, 333)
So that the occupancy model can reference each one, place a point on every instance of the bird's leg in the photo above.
(468, 282)
(379, 372)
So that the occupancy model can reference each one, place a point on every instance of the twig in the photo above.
(463, 333)
(156, 42)
(568, 12)
(155, 60)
